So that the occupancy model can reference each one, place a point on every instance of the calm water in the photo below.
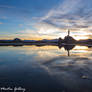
(46, 69)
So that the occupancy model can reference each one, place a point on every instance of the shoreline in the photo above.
(45, 44)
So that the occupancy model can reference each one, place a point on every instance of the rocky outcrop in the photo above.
(68, 39)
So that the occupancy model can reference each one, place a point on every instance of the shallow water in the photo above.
(46, 68)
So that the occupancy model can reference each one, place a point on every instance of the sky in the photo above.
(45, 19)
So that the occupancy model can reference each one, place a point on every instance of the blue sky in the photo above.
(43, 19)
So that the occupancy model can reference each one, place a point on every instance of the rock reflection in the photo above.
(67, 47)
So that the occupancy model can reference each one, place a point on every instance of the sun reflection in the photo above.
(81, 48)
(81, 51)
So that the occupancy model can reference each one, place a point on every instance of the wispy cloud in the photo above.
(73, 14)
(70, 14)
(1, 23)
(6, 6)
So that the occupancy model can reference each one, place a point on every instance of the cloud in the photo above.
(20, 25)
(15, 13)
(1, 23)
(4, 17)
(6, 6)
(71, 14)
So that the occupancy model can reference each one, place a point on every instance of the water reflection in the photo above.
(67, 47)
(47, 68)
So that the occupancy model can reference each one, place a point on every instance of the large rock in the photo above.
(68, 39)
(17, 40)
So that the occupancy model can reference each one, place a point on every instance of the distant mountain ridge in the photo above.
(17, 40)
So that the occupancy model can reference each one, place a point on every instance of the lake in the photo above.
(46, 68)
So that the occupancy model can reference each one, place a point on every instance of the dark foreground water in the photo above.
(46, 69)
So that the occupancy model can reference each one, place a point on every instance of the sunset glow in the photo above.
(45, 45)
(48, 22)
